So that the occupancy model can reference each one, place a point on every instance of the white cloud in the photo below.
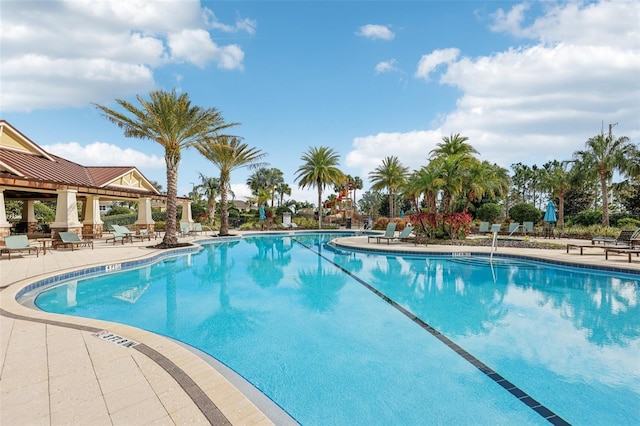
(411, 148)
(376, 32)
(430, 62)
(532, 103)
(241, 24)
(386, 66)
(73, 52)
(104, 154)
(196, 46)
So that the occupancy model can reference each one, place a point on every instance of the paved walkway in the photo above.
(55, 370)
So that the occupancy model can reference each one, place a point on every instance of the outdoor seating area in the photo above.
(625, 243)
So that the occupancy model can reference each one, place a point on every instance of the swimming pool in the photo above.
(340, 337)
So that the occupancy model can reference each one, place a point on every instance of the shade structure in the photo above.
(550, 213)
(262, 215)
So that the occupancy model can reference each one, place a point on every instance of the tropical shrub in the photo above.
(523, 212)
(490, 212)
(628, 223)
(588, 218)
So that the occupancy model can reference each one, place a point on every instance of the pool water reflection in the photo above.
(282, 312)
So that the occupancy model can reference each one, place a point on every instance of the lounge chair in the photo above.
(119, 236)
(389, 234)
(528, 227)
(71, 239)
(621, 250)
(624, 241)
(142, 235)
(483, 228)
(197, 228)
(17, 244)
(185, 229)
(496, 227)
(513, 227)
(404, 234)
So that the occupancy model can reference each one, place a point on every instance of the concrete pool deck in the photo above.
(55, 370)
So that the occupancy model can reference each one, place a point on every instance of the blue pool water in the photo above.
(328, 334)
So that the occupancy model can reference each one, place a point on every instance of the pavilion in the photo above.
(29, 174)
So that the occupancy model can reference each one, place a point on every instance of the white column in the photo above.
(92, 211)
(28, 212)
(144, 212)
(186, 213)
(3, 211)
(66, 210)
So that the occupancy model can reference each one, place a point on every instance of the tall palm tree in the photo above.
(170, 120)
(391, 175)
(319, 170)
(228, 153)
(357, 184)
(453, 145)
(603, 156)
(264, 178)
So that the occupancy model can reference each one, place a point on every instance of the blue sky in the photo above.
(524, 81)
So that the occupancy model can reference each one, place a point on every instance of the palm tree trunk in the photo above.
(224, 220)
(170, 235)
(605, 200)
(319, 206)
(391, 212)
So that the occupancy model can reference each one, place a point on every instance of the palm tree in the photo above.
(170, 120)
(603, 156)
(357, 184)
(210, 187)
(391, 175)
(319, 170)
(453, 145)
(268, 179)
(484, 179)
(283, 189)
(228, 153)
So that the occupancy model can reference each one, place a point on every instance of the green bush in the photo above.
(588, 218)
(628, 223)
(523, 212)
(489, 212)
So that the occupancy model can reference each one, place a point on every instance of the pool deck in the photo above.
(55, 370)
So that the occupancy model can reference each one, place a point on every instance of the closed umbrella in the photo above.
(550, 218)
(262, 215)
(550, 213)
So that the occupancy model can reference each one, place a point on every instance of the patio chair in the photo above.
(71, 239)
(142, 235)
(404, 234)
(389, 234)
(119, 236)
(17, 244)
(185, 229)
(528, 227)
(483, 228)
(513, 227)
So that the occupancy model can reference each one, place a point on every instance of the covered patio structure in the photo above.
(30, 174)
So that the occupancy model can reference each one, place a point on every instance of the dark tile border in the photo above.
(197, 395)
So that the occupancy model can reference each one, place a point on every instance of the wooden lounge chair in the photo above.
(621, 250)
(17, 244)
(142, 235)
(119, 236)
(71, 239)
(389, 234)
(404, 234)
